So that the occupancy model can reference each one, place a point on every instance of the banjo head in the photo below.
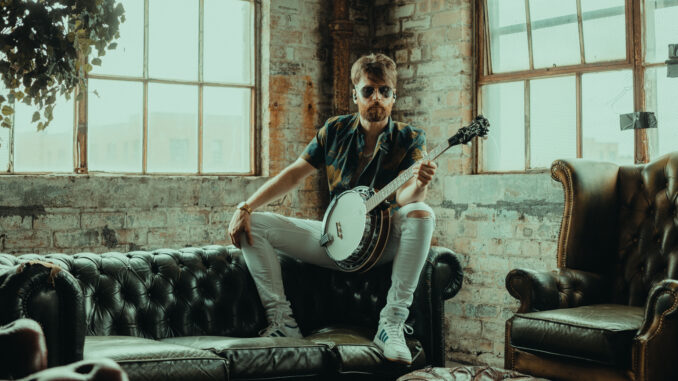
(345, 221)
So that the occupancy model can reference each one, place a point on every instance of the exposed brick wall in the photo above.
(71, 214)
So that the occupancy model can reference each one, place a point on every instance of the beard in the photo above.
(374, 113)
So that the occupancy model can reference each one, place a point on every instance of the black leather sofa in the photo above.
(194, 314)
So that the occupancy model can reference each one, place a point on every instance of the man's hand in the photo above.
(240, 223)
(424, 172)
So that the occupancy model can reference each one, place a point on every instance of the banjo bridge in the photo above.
(339, 233)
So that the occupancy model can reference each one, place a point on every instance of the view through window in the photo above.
(557, 75)
(175, 96)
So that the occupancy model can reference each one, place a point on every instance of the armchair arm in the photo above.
(587, 232)
(441, 279)
(22, 349)
(53, 298)
(655, 345)
(564, 288)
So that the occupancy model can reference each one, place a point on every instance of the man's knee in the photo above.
(418, 214)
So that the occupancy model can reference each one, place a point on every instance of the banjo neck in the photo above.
(407, 174)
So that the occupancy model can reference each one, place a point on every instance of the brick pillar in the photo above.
(341, 29)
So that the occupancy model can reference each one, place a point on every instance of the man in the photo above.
(367, 148)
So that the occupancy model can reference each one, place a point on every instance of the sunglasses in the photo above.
(367, 91)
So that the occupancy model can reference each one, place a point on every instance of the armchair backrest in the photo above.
(621, 222)
(648, 228)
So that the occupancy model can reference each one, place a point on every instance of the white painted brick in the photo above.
(146, 219)
(404, 10)
(418, 23)
(57, 221)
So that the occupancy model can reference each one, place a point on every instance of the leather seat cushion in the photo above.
(601, 333)
(145, 359)
(262, 357)
(355, 353)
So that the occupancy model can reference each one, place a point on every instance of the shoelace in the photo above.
(395, 331)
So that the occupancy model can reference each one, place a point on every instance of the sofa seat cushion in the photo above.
(355, 353)
(262, 357)
(601, 333)
(145, 359)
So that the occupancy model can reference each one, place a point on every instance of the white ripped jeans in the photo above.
(408, 246)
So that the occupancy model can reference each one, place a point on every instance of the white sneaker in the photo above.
(282, 328)
(390, 339)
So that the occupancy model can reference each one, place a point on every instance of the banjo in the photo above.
(355, 227)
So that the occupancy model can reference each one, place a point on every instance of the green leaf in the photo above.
(96, 61)
(6, 110)
(113, 45)
(36, 116)
(2, 99)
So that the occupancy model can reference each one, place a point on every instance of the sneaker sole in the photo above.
(396, 360)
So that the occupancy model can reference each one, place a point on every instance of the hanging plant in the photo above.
(43, 50)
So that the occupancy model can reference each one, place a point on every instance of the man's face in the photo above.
(374, 99)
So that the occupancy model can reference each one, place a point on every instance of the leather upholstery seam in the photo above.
(566, 220)
(569, 324)
(658, 331)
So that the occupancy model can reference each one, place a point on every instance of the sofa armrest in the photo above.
(42, 292)
(656, 343)
(588, 233)
(440, 279)
(564, 288)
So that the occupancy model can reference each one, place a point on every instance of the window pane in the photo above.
(4, 149)
(115, 132)
(228, 59)
(172, 128)
(661, 28)
(604, 97)
(173, 39)
(508, 35)
(604, 30)
(661, 93)
(226, 130)
(128, 57)
(49, 150)
(555, 34)
(552, 120)
(504, 107)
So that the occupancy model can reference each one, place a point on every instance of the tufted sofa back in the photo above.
(165, 293)
(647, 249)
(209, 291)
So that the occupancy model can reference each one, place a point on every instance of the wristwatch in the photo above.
(244, 207)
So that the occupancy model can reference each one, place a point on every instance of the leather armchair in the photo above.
(609, 311)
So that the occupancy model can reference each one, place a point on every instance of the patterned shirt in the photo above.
(338, 144)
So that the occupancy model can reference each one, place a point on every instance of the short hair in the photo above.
(375, 66)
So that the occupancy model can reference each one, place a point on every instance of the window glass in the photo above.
(115, 123)
(604, 28)
(226, 130)
(605, 96)
(508, 35)
(49, 150)
(233, 19)
(661, 93)
(553, 124)
(4, 149)
(504, 107)
(172, 128)
(127, 59)
(173, 39)
(661, 29)
(555, 33)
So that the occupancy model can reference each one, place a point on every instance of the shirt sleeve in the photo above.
(314, 153)
(415, 153)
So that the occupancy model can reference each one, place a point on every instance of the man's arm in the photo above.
(415, 188)
(285, 181)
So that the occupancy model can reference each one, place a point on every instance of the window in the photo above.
(176, 96)
(555, 76)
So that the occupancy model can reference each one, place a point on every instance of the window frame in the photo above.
(80, 107)
(634, 61)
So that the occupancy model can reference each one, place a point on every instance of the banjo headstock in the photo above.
(480, 126)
